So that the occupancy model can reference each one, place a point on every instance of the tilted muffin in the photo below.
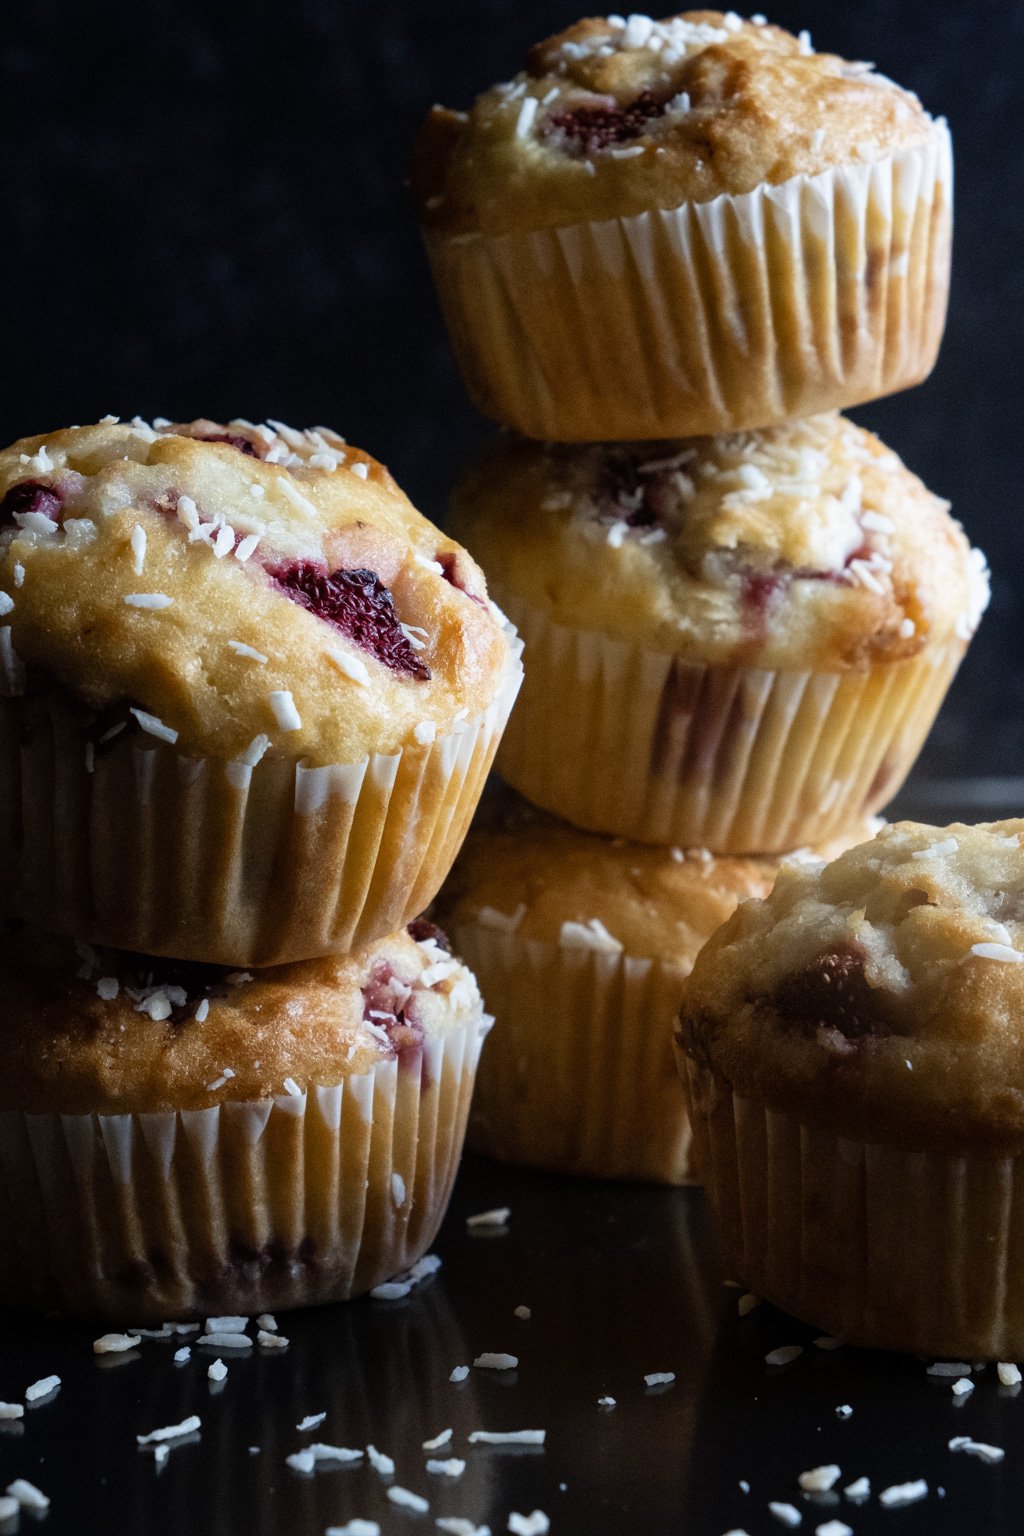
(853, 1046)
(251, 694)
(179, 1139)
(736, 643)
(580, 945)
(687, 226)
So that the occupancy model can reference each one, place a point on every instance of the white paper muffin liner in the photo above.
(208, 860)
(740, 312)
(624, 740)
(240, 1208)
(579, 1075)
(882, 1246)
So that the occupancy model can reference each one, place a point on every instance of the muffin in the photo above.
(250, 695)
(180, 1140)
(682, 227)
(736, 643)
(580, 945)
(853, 1047)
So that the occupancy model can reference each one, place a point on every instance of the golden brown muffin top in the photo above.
(105, 1032)
(525, 872)
(240, 584)
(617, 115)
(808, 544)
(881, 995)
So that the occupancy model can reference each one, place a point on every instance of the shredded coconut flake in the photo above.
(283, 706)
(113, 1344)
(241, 649)
(490, 1361)
(1009, 1374)
(28, 1495)
(107, 988)
(154, 600)
(860, 1488)
(785, 1355)
(989, 1453)
(786, 1514)
(171, 1431)
(535, 1524)
(218, 1371)
(1004, 952)
(155, 727)
(354, 1528)
(438, 1441)
(12, 1411)
(407, 1500)
(41, 1388)
(498, 1217)
(660, 1378)
(459, 1373)
(508, 1437)
(820, 1479)
(349, 666)
(903, 1493)
(589, 935)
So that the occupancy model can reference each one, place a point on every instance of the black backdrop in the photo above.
(203, 213)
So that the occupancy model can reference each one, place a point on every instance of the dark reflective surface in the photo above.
(622, 1281)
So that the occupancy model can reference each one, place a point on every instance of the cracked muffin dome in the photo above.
(881, 995)
(617, 115)
(804, 545)
(238, 588)
(104, 1032)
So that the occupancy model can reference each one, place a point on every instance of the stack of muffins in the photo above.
(249, 699)
(670, 251)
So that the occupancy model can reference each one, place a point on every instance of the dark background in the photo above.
(204, 214)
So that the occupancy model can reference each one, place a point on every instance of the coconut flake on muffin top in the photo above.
(882, 993)
(619, 114)
(808, 544)
(233, 588)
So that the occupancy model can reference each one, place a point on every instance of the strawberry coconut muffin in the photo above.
(696, 225)
(250, 695)
(180, 1139)
(853, 1050)
(581, 945)
(737, 643)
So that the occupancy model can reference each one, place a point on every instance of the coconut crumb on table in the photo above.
(535, 1524)
(438, 1441)
(496, 1218)
(786, 1514)
(859, 1489)
(9, 1508)
(454, 1466)
(354, 1528)
(784, 1355)
(28, 1495)
(12, 1411)
(311, 1421)
(113, 1344)
(456, 1525)
(1009, 1375)
(306, 1460)
(507, 1437)
(491, 1361)
(459, 1373)
(660, 1378)
(820, 1479)
(41, 1388)
(218, 1371)
(383, 1464)
(405, 1499)
(903, 1493)
(171, 1431)
(989, 1453)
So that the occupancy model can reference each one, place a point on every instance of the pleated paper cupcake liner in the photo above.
(579, 1076)
(740, 312)
(145, 849)
(882, 1246)
(240, 1208)
(624, 740)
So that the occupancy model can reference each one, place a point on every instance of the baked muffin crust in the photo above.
(882, 994)
(617, 115)
(808, 544)
(105, 1032)
(526, 872)
(241, 586)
